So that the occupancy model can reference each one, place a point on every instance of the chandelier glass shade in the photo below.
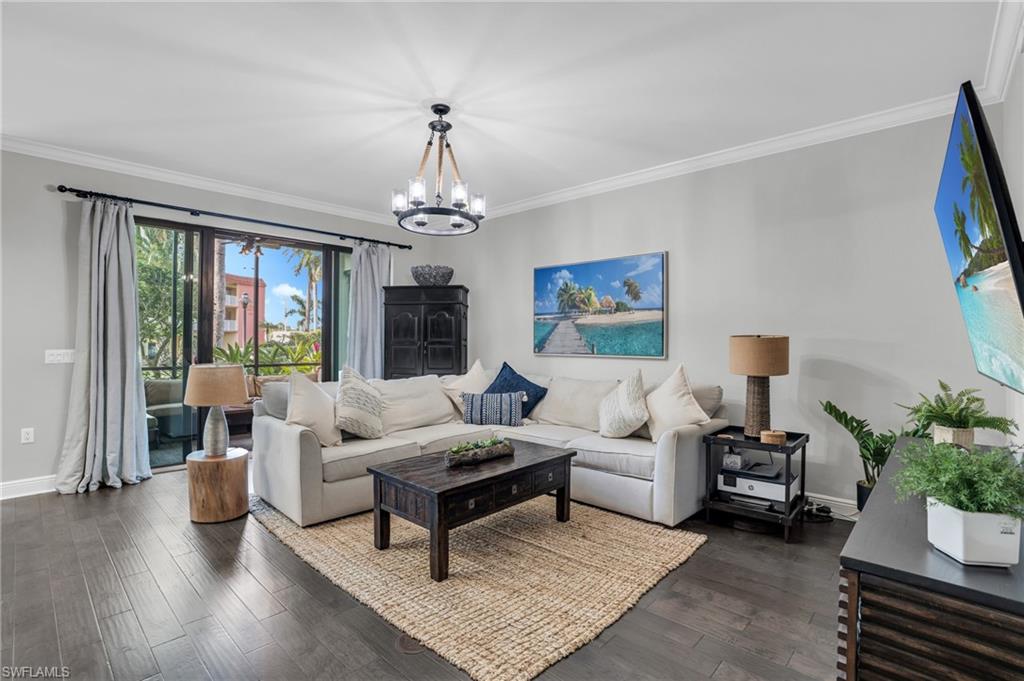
(410, 205)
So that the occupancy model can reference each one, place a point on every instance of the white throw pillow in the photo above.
(624, 409)
(358, 406)
(473, 381)
(672, 405)
(311, 407)
(413, 402)
(573, 402)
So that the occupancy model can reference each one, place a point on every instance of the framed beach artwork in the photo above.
(603, 308)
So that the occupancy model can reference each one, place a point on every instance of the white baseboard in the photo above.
(844, 509)
(27, 486)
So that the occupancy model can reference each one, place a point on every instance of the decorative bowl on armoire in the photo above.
(432, 275)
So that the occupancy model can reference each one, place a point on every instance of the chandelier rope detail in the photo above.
(466, 211)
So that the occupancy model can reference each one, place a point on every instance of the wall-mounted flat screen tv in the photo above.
(983, 244)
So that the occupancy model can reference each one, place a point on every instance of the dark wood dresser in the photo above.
(425, 330)
(907, 611)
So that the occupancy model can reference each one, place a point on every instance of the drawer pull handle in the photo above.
(515, 489)
(551, 476)
(472, 504)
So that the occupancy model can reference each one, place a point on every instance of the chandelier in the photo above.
(466, 211)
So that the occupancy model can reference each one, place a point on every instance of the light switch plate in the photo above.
(59, 356)
(28, 436)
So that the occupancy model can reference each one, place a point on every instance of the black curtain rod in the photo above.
(196, 212)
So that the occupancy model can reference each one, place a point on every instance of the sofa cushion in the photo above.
(473, 381)
(672, 405)
(494, 409)
(275, 400)
(629, 456)
(353, 456)
(163, 391)
(413, 402)
(509, 381)
(311, 407)
(440, 437)
(624, 409)
(358, 406)
(573, 402)
(543, 433)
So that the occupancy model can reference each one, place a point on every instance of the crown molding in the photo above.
(1006, 38)
(52, 152)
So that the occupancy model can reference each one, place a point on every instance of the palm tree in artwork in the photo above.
(566, 296)
(632, 289)
(982, 207)
(963, 240)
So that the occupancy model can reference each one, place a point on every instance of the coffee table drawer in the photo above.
(549, 478)
(510, 490)
(471, 504)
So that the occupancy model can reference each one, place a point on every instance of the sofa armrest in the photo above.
(679, 470)
(288, 468)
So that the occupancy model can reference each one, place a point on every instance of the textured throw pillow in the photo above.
(494, 409)
(573, 402)
(672, 405)
(358, 406)
(312, 408)
(624, 409)
(508, 381)
(413, 402)
(473, 381)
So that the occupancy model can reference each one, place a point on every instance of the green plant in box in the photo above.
(990, 481)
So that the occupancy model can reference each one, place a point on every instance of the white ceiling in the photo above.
(326, 104)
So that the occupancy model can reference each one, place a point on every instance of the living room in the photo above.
(677, 245)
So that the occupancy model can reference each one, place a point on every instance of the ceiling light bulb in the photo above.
(460, 193)
(399, 201)
(458, 222)
(417, 192)
(478, 205)
(420, 219)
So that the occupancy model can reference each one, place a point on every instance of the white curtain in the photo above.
(371, 272)
(105, 441)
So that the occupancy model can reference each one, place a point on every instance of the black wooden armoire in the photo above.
(425, 329)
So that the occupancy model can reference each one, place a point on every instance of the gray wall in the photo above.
(39, 244)
(835, 245)
(1011, 153)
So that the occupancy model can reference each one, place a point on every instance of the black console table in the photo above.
(908, 611)
(732, 436)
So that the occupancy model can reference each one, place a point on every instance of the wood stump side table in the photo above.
(218, 486)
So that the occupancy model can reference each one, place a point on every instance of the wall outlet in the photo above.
(59, 356)
(28, 436)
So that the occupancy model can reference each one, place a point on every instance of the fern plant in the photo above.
(962, 410)
(989, 481)
(874, 448)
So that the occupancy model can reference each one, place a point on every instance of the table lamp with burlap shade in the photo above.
(757, 357)
(215, 386)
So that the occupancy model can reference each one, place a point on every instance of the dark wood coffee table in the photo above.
(425, 493)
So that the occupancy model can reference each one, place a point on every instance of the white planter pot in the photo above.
(974, 538)
(963, 437)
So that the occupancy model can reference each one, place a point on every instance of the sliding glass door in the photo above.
(167, 261)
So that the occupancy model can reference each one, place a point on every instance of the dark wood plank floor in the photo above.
(118, 584)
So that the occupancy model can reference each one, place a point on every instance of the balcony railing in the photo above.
(230, 301)
(231, 325)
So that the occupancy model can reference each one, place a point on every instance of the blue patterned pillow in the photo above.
(495, 409)
(508, 381)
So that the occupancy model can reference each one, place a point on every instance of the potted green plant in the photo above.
(874, 448)
(953, 418)
(975, 500)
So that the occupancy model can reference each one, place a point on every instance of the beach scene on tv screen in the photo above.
(603, 307)
(974, 247)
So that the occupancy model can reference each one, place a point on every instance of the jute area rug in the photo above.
(523, 590)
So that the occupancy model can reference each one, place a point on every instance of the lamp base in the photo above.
(215, 432)
(758, 416)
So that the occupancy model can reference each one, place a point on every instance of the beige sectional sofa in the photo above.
(659, 481)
